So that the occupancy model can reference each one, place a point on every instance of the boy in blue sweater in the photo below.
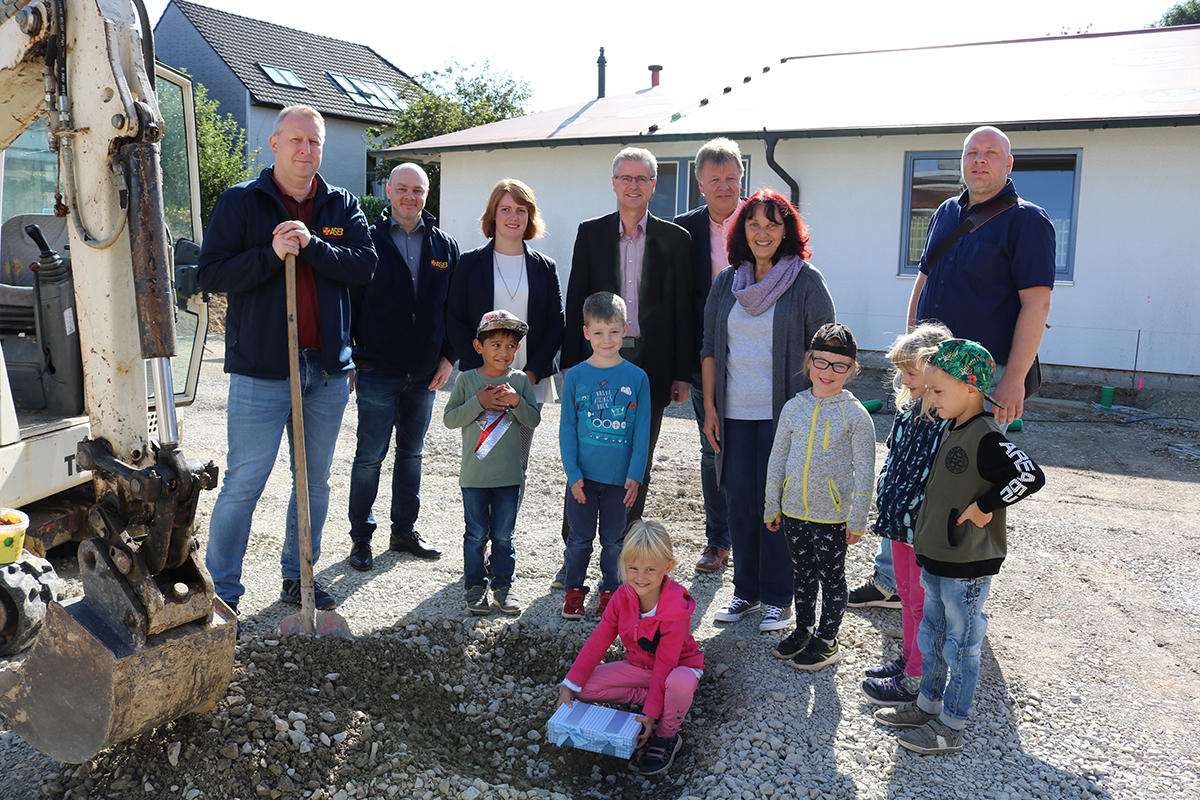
(604, 436)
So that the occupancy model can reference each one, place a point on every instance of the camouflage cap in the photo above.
(969, 362)
(500, 319)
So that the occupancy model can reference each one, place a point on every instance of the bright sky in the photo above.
(554, 44)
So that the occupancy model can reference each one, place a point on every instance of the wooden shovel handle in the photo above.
(303, 517)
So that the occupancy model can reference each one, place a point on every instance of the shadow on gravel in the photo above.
(992, 763)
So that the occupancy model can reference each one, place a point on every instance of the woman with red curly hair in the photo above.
(762, 312)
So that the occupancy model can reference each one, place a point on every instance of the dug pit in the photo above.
(432, 709)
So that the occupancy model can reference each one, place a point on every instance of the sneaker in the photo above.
(291, 594)
(477, 602)
(560, 580)
(888, 670)
(775, 618)
(906, 716)
(736, 609)
(869, 595)
(605, 596)
(573, 608)
(660, 754)
(507, 601)
(794, 644)
(816, 655)
(931, 739)
(890, 691)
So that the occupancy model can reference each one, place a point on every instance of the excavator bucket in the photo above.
(95, 677)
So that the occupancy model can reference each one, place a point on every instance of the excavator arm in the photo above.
(149, 640)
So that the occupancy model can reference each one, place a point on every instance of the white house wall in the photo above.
(1136, 257)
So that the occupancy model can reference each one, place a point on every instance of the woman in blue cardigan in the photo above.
(507, 273)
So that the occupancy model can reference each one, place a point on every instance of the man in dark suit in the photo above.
(645, 260)
(719, 174)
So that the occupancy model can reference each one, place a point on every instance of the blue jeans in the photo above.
(716, 512)
(762, 562)
(259, 413)
(885, 572)
(606, 503)
(387, 402)
(491, 515)
(951, 639)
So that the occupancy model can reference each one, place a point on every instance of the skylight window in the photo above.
(282, 76)
(368, 93)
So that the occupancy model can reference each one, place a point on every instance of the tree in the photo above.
(222, 146)
(1185, 12)
(454, 98)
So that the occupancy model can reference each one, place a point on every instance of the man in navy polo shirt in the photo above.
(992, 286)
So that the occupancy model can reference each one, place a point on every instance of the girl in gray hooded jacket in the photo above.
(820, 477)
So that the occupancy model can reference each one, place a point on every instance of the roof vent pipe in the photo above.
(655, 69)
(601, 63)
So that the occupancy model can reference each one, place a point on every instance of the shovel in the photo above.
(309, 620)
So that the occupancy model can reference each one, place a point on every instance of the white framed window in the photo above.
(368, 93)
(1049, 178)
(282, 76)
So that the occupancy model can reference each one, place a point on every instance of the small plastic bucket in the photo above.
(13, 525)
(1106, 395)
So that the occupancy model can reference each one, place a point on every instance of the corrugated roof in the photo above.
(243, 43)
(1138, 78)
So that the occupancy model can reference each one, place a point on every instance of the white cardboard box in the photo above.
(594, 728)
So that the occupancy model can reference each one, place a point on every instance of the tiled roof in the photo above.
(244, 43)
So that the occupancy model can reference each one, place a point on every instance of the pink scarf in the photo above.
(756, 298)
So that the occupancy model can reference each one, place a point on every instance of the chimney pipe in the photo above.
(654, 70)
(600, 64)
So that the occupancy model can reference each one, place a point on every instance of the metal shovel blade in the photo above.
(325, 623)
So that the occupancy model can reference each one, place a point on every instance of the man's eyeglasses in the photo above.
(840, 367)
(640, 180)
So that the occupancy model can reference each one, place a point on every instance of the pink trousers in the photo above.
(622, 682)
(912, 602)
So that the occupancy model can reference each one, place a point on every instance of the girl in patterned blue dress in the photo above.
(912, 445)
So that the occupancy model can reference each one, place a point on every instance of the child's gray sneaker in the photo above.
(932, 738)
(507, 601)
(908, 715)
(477, 601)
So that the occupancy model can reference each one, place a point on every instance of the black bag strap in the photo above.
(981, 215)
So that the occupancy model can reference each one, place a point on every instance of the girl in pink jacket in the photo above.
(662, 667)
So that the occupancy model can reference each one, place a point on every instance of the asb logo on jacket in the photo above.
(335, 233)
(439, 264)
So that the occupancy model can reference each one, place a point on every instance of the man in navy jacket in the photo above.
(287, 210)
(403, 357)
(719, 175)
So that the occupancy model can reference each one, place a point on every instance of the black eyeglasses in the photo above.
(841, 368)
(640, 180)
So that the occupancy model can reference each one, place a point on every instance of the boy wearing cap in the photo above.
(604, 437)
(485, 403)
(960, 543)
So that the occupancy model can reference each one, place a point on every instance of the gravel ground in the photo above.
(1089, 682)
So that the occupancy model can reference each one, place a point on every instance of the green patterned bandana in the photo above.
(969, 362)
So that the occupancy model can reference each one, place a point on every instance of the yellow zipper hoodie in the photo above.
(822, 465)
